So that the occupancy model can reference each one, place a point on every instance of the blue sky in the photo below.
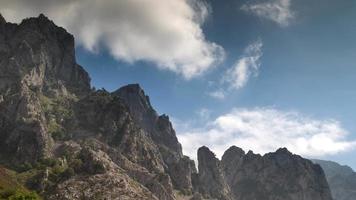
(283, 71)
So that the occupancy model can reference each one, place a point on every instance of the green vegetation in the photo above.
(58, 113)
(15, 194)
(12, 189)
(41, 176)
(47, 173)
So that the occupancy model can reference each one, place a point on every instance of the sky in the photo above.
(258, 74)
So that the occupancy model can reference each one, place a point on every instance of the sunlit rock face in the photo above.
(36, 59)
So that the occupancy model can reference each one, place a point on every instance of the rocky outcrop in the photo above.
(40, 55)
(341, 179)
(160, 129)
(2, 20)
(274, 176)
(211, 181)
(280, 175)
(101, 179)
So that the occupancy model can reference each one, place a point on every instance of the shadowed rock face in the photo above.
(211, 181)
(341, 179)
(115, 145)
(2, 20)
(274, 176)
(280, 175)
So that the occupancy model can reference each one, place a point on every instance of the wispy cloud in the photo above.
(278, 11)
(238, 75)
(248, 65)
(217, 94)
(167, 33)
(266, 129)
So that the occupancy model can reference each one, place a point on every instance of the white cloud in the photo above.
(217, 94)
(278, 11)
(165, 32)
(264, 130)
(239, 74)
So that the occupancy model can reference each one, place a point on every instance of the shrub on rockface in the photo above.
(18, 195)
(58, 113)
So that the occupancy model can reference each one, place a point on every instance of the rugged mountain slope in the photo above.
(46, 101)
(341, 179)
(160, 129)
(67, 141)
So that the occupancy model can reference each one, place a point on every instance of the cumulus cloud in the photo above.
(264, 130)
(165, 32)
(248, 65)
(279, 11)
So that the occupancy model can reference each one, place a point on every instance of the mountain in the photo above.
(65, 140)
(341, 179)
(275, 176)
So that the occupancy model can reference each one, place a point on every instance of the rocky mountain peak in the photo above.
(283, 151)
(2, 19)
(135, 95)
(234, 151)
(205, 154)
(42, 56)
(139, 104)
(252, 176)
(158, 127)
(211, 180)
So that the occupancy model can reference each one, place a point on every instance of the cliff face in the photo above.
(341, 179)
(36, 59)
(160, 129)
(211, 179)
(67, 141)
(274, 176)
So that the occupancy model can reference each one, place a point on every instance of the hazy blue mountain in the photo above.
(341, 179)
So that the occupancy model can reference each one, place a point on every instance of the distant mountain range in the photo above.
(341, 179)
(65, 140)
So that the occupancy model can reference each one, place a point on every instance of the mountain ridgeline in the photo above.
(65, 140)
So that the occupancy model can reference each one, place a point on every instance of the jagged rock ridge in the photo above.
(74, 142)
(274, 176)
